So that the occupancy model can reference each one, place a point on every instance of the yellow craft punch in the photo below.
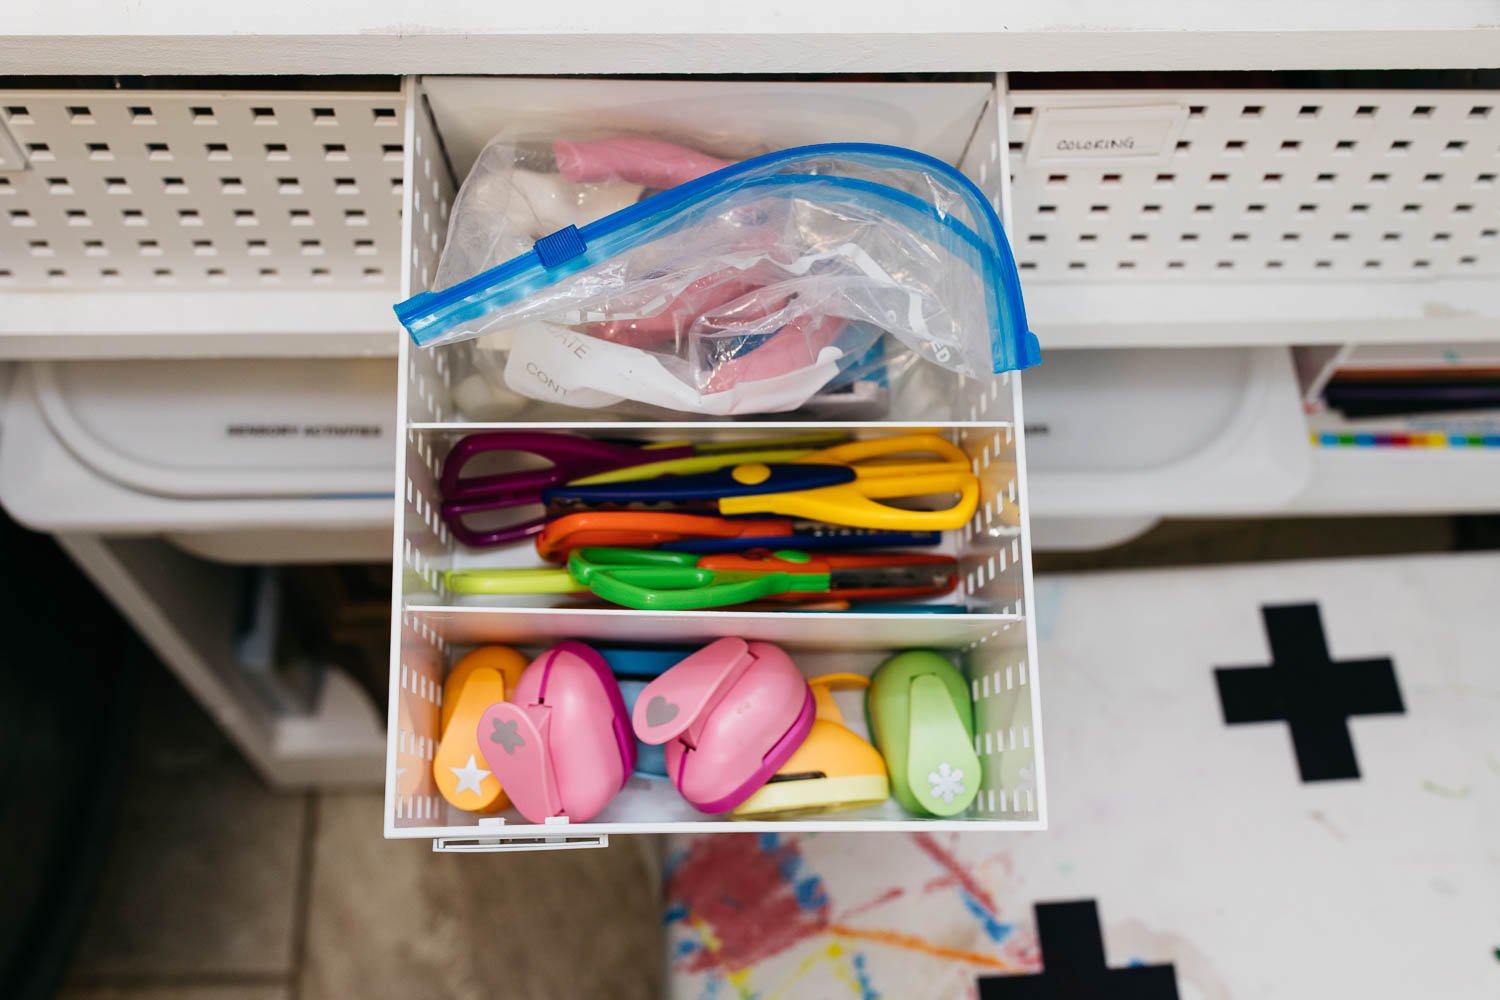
(833, 768)
(483, 677)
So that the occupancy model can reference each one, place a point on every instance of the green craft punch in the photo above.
(923, 722)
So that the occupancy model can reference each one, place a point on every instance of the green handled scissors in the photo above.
(652, 580)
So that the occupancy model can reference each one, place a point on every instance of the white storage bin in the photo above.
(250, 460)
(150, 223)
(993, 643)
(1211, 432)
(1183, 215)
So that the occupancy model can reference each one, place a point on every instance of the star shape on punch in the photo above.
(470, 777)
(506, 735)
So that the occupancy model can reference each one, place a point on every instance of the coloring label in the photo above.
(1139, 134)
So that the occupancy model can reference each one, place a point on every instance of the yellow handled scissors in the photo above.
(843, 485)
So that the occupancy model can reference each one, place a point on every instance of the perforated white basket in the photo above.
(1188, 216)
(155, 222)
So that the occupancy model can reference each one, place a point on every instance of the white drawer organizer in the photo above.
(994, 643)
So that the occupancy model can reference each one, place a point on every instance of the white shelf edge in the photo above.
(1400, 480)
(1224, 314)
(186, 324)
(454, 36)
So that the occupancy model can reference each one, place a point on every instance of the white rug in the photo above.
(1213, 851)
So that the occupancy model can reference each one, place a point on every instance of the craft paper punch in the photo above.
(834, 768)
(477, 681)
(923, 723)
(562, 747)
(730, 715)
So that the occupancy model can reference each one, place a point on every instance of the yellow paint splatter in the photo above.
(832, 953)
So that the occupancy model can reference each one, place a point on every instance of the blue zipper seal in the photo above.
(429, 315)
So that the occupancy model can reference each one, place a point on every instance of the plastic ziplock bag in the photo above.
(750, 288)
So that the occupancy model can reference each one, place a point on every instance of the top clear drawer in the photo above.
(955, 122)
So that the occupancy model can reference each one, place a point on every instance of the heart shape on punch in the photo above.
(660, 711)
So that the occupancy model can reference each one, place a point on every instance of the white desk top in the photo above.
(660, 36)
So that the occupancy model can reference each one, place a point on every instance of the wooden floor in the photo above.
(218, 889)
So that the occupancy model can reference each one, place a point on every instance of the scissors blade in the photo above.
(935, 578)
(741, 480)
(851, 538)
(892, 575)
(691, 466)
(558, 507)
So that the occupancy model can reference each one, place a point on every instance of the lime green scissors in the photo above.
(653, 580)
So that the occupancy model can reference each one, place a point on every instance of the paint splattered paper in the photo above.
(751, 915)
(1277, 781)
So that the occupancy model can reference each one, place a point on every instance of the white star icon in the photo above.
(470, 777)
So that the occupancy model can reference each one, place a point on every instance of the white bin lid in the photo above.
(1147, 432)
(229, 428)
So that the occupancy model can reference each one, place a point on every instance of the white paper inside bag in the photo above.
(559, 365)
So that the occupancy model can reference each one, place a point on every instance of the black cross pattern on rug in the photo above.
(1073, 964)
(1313, 694)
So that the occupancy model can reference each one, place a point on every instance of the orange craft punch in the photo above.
(833, 768)
(483, 677)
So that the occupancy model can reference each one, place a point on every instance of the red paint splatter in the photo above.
(929, 845)
(1003, 860)
(941, 882)
(889, 896)
(738, 887)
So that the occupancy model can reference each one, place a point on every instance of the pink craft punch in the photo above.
(562, 746)
(730, 714)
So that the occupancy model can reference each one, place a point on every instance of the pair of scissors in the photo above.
(572, 457)
(653, 580)
(837, 485)
(706, 533)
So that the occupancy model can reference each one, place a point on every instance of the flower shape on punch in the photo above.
(947, 782)
(505, 734)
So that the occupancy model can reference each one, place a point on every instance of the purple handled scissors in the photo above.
(571, 457)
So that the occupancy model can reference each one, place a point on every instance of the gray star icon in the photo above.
(505, 734)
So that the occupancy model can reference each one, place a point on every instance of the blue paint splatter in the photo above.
(996, 930)
(675, 912)
(674, 859)
(712, 988)
(791, 863)
(867, 990)
(769, 841)
(685, 947)
(810, 894)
